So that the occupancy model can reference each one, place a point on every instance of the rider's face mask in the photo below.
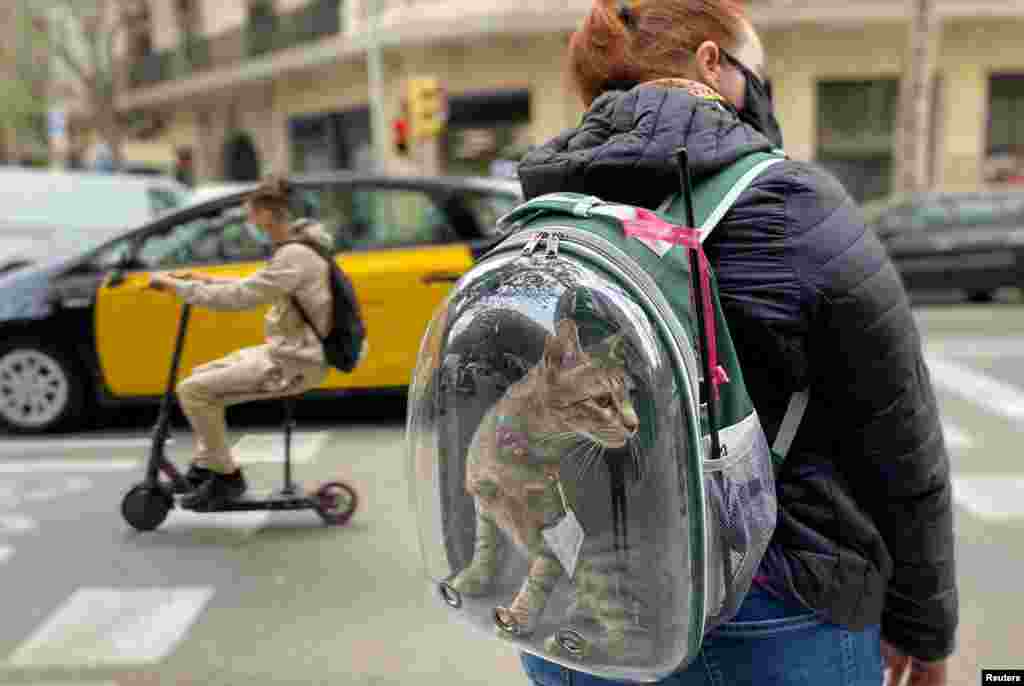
(758, 109)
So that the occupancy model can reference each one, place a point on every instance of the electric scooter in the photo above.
(147, 504)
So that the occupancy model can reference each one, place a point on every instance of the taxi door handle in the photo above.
(441, 277)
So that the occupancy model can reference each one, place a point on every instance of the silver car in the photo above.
(44, 213)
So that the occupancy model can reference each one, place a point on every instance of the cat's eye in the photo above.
(604, 401)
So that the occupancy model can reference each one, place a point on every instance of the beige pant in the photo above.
(243, 376)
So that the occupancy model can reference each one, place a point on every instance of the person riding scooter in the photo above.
(289, 362)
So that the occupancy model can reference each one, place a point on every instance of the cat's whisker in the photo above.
(593, 458)
(581, 450)
(555, 436)
(634, 451)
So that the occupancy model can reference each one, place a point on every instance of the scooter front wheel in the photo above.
(336, 502)
(145, 507)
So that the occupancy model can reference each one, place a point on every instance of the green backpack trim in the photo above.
(712, 199)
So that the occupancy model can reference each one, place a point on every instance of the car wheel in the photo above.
(980, 296)
(41, 389)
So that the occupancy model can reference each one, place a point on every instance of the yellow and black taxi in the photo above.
(83, 330)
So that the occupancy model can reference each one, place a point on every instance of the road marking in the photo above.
(956, 438)
(17, 524)
(6, 552)
(269, 447)
(992, 394)
(96, 627)
(65, 466)
(994, 497)
(956, 346)
(240, 523)
(24, 445)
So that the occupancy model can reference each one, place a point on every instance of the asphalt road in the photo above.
(251, 598)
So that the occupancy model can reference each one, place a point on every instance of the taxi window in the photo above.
(487, 208)
(223, 236)
(362, 218)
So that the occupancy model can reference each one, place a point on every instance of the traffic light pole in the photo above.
(375, 74)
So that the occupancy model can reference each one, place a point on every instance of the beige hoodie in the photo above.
(294, 270)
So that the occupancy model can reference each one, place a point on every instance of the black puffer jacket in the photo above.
(865, 522)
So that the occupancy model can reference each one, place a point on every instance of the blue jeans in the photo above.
(768, 643)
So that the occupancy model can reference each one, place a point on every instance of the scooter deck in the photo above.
(268, 501)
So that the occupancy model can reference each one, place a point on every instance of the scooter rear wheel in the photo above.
(145, 507)
(336, 502)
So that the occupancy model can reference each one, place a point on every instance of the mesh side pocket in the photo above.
(741, 514)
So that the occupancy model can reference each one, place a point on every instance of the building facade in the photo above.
(250, 86)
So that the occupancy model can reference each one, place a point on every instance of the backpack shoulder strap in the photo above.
(713, 197)
(716, 194)
(295, 301)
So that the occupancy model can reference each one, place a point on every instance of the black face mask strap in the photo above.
(626, 15)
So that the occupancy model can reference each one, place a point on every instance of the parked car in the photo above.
(210, 191)
(44, 212)
(82, 329)
(972, 242)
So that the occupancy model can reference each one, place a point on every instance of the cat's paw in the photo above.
(568, 644)
(473, 582)
(511, 622)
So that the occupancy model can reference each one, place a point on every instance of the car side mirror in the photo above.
(123, 264)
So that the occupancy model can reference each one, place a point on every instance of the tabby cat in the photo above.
(572, 405)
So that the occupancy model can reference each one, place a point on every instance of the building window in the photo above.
(1005, 147)
(486, 129)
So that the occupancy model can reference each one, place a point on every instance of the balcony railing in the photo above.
(316, 20)
(150, 69)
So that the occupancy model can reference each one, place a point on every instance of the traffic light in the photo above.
(427, 107)
(400, 129)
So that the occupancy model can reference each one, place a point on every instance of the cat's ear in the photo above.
(562, 351)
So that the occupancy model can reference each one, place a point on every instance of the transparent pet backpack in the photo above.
(577, 495)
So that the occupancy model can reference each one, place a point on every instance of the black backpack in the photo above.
(343, 344)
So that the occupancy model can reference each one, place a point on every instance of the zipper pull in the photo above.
(551, 246)
(531, 245)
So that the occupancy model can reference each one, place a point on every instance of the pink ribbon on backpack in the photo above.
(648, 225)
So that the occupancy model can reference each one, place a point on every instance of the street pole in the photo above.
(375, 72)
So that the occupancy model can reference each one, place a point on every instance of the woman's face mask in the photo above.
(758, 110)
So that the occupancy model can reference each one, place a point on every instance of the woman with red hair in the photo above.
(859, 577)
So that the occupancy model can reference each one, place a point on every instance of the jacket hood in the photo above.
(312, 232)
(639, 131)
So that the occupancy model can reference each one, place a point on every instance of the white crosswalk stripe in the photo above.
(17, 524)
(240, 524)
(98, 627)
(956, 438)
(993, 497)
(269, 447)
(23, 446)
(995, 396)
(962, 346)
(67, 466)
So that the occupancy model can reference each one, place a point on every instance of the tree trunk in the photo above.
(913, 137)
(110, 130)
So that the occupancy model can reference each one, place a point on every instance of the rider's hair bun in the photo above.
(273, 190)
